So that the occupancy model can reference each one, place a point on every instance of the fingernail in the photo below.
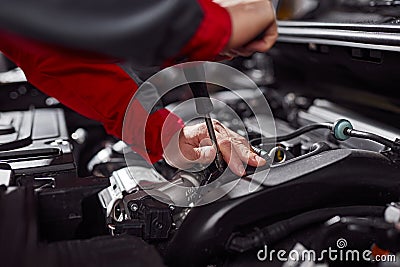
(241, 169)
(209, 153)
(260, 160)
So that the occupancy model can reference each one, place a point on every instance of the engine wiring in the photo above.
(294, 134)
(342, 130)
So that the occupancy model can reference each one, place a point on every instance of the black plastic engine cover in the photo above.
(330, 179)
(35, 142)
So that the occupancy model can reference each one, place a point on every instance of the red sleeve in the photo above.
(98, 90)
(212, 35)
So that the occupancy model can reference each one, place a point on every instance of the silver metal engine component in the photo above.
(126, 181)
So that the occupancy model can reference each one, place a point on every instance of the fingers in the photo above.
(249, 18)
(243, 149)
(204, 155)
(201, 151)
(242, 52)
(189, 147)
(236, 150)
(205, 152)
(262, 45)
(195, 147)
(230, 155)
(266, 43)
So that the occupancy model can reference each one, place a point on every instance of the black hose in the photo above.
(372, 137)
(296, 133)
(376, 227)
(280, 230)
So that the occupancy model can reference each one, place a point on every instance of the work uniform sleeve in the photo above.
(98, 90)
(148, 32)
(70, 50)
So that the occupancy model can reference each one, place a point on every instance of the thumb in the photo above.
(205, 154)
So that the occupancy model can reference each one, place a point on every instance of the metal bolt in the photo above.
(59, 142)
(80, 135)
(133, 207)
(158, 224)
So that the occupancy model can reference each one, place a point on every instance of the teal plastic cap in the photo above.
(339, 127)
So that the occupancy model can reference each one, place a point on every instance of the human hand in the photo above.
(192, 145)
(249, 19)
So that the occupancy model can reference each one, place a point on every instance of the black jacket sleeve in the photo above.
(144, 31)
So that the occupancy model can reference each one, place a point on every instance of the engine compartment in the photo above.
(66, 186)
(313, 173)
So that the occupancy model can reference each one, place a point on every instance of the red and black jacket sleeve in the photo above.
(145, 32)
(97, 87)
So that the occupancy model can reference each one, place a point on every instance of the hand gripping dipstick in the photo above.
(195, 72)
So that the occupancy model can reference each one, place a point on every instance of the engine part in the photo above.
(383, 234)
(142, 216)
(131, 210)
(6, 174)
(342, 130)
(297, 132)
(70, 209)
(392, 213)
(140, 201)
(123, 183)
(38, 145)
(356, 174)
(21, 245)
(322, 111)
(280, 230)
(109, 159)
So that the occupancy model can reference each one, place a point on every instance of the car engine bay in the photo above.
(332, 178)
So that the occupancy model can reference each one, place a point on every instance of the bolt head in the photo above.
(133, 207)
